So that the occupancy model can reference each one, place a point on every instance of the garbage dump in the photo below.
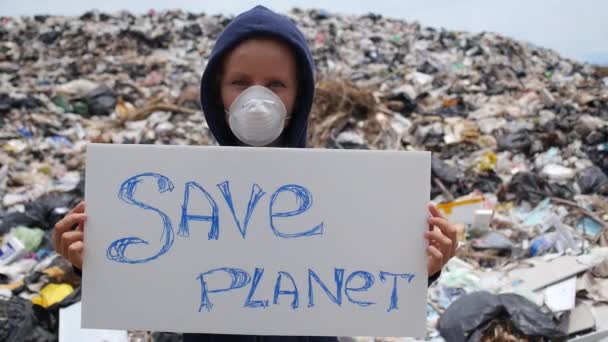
(519, 137)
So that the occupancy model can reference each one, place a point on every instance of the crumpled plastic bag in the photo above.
(31, 237)
(467, 318)
(593, 180)
(493, 241)
(519, 141)
(52, 294)
(20, 321)
(447, 173)
(527, 186)
(44, 212)
(101, 101)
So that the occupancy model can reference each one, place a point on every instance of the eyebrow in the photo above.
(237, 74)
(240, 74)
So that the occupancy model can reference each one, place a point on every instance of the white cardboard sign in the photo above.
(264, 241)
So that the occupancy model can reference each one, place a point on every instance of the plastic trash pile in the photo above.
(519, 138)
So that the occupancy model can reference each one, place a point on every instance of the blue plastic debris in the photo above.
(60, 141)
(589, 227)
(25, 133)
(538, 214)
(542, 244)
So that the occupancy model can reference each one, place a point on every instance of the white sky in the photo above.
(576, 29)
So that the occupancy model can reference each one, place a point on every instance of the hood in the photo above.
(258, 22)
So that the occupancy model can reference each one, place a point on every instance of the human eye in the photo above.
(239, 82)
(276, 84)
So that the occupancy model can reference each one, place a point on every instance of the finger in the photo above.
(435, 253)
(437, 236)
(79, 208)
(444, 243)
(450, 233)
(75, 254)
(435, 260)
(455, 244)
(434, 211)
(447, 229)
(56, 234)
(65, 225)
(80, 226)
(69, 238)
(429, 216)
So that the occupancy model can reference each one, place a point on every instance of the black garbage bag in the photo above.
(19, 102)
(593, 180)
(527, 186)
(596, 137)
(446, 173)
(43, 212)
(46, 320)
(20, 321)
(428, 68)
(151, 41)
(467, 318)
(599, 158)
(192, 31)
(486, 182)
(408, 105)
(515, 142)
(15, 219)
(452, 178)
(5, 103)
(49, 37)
(564, 191)
(101, 101)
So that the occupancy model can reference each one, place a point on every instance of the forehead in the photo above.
(260, 53)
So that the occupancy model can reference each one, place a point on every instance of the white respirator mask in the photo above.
(257, 116)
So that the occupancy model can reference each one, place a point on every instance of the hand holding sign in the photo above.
(68, 241)
(443, 241)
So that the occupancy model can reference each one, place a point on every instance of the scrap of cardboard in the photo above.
(70, 331)
(262, 241)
